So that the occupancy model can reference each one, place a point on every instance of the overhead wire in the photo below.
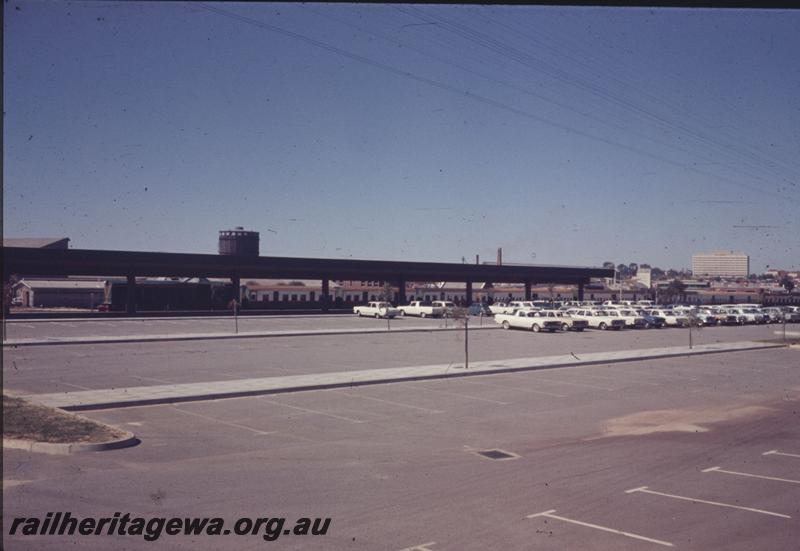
(544, 67)
(511, 85)
(471, 95)
(610, 72)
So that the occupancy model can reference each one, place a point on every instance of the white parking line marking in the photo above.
(516, 388)
(420, 547)
(456, 394)
(26, 325)
(776, 452)
(75, 386)
(214, 419)
(549, 514)
(340, 417)
(718, 470)
(142, 377)
(573, 384)
(645, 490)
(387, 401)
(620, 379)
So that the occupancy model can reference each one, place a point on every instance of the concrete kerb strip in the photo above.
(50, 341)
(228, 316)
(190, 392)
(66, 448)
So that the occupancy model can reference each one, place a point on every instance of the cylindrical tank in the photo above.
(238, 241)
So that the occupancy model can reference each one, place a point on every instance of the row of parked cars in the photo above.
(639, 315)
(576, 316)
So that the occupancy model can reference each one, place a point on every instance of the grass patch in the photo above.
(27, 421)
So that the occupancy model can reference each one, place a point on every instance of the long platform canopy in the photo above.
(83, 262)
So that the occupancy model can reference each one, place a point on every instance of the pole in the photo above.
(783, 317)
(236, 315)
(466, 341)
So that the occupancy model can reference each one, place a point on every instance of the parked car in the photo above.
(501, 308)
(421, 309)
(448, 306)
(652, 321)
(598, 319)
(775, 314)
(747, 315)
(568, 323)
(523, 305)
(632, 319)
(376, 310)
(791, 313)
(477, 309)
(527, 319)
(671, 318)
(705, 317)
(731, 317)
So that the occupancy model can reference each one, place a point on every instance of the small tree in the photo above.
(387, 292)
(787, 283)
(676, 288)
(694, 322)
(8, 298)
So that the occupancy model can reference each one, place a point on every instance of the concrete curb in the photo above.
(67, 448)
(10, 343)
(358, 378)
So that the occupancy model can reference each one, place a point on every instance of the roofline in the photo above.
(55, 262)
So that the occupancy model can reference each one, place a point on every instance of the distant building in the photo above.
(61, 293)
(721, 264)
(37, 242)
(643, 276)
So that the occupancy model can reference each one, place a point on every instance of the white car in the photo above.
(526, 319)
(598, 319)
(775, 314)
(501, 308)
(671, 318)
(376, 310)
(523, 305)
(633, 319)
(448, 306)
(421, 309)
(567, 322)
(747, 315)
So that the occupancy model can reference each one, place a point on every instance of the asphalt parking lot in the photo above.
(80, 367)
(26, 328)
(396, 466)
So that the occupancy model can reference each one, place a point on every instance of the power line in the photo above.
(517, 87)
(473, 96)
(525, 59)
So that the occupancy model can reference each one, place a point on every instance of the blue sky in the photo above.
(564, 135)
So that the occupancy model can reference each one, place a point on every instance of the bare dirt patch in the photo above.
(26, 421)
(678, 420)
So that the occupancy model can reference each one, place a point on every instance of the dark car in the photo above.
(652, 321)
(477, 309)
